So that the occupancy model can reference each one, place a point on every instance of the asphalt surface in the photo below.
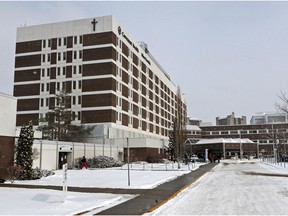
(148, 199)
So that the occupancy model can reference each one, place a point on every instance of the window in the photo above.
(59, 41)
(74, 84)
(75, 55)
(48, 72)
(49, 43)
(119, 101)
(80, 39)
(79, 116)
(47, 86)
(79, 99)
(59, 56)
(48, 57)
(80, 54)
(47, 101)
(65, 41)
(119, 116)
(43, 58)
(74, 100)
(42, 87)
(74, 69)
(64, 71)
(79, 84)
(58, 71)
(75, 39)
(43, 73)
(44, 43)
(80, 69)
(42, 102)
(64, 56)
(58, 85)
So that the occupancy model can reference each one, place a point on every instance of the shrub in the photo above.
(37, 173)
(103, 162)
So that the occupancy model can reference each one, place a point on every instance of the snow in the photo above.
(233, 188)
(52, 202)
(245, 187)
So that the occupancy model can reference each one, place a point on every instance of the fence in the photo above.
(271, 159)
(53, 154)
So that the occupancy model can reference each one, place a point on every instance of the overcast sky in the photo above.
(225, 56)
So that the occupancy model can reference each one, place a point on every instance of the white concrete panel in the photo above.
(8, 106)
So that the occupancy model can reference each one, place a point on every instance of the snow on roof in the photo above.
(193, 128)
(222, 140)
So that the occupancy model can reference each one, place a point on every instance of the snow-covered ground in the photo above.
(234, 188)
(15, 201)
(231, 188)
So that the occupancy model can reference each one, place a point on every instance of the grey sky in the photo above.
(225, 56)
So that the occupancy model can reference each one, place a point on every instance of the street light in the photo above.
(241, 150)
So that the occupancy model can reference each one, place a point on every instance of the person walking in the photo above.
(84, 163)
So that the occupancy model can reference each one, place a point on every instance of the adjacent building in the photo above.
(270, 117)
(113, 81)
(266, 136)
(231, 120)
(8, 106)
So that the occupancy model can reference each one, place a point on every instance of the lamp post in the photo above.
(241, 150)
(128, 161)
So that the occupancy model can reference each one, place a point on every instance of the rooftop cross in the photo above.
(94, 22)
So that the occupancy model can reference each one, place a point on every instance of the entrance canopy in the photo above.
(222, 140)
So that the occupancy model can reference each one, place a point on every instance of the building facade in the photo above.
(8, 106)
(113, 81)
(264, 118)
(231, 120)
(265, 135)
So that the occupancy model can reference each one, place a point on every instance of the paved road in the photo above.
(234, 188)
(151, 198)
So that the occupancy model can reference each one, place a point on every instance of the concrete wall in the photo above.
(8, 106)
(52, 154)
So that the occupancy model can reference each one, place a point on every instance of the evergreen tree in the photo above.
(170, 149)
(24, 151)
(57, 124)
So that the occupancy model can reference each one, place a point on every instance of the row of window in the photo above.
(76, 85)
(76, 115)
(62, 42)
(61, 71)
(261, 131)
(61, 56)
(76, 100)
(140, 122)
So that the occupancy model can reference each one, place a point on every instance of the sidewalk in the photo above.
(150, 199)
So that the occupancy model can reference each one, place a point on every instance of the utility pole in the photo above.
(128, 157)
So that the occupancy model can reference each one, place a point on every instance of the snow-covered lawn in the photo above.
(231, 188)
(234, 188)
(51, 202)
(142, 176)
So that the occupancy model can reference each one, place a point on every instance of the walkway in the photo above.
(147, 200)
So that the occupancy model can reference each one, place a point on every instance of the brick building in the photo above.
(266, 136)
(113, 81)
(8, 106)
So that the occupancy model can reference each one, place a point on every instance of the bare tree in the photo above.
(180, 127)
(283, 106)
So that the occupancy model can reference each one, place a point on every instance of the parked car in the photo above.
(194, 158)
